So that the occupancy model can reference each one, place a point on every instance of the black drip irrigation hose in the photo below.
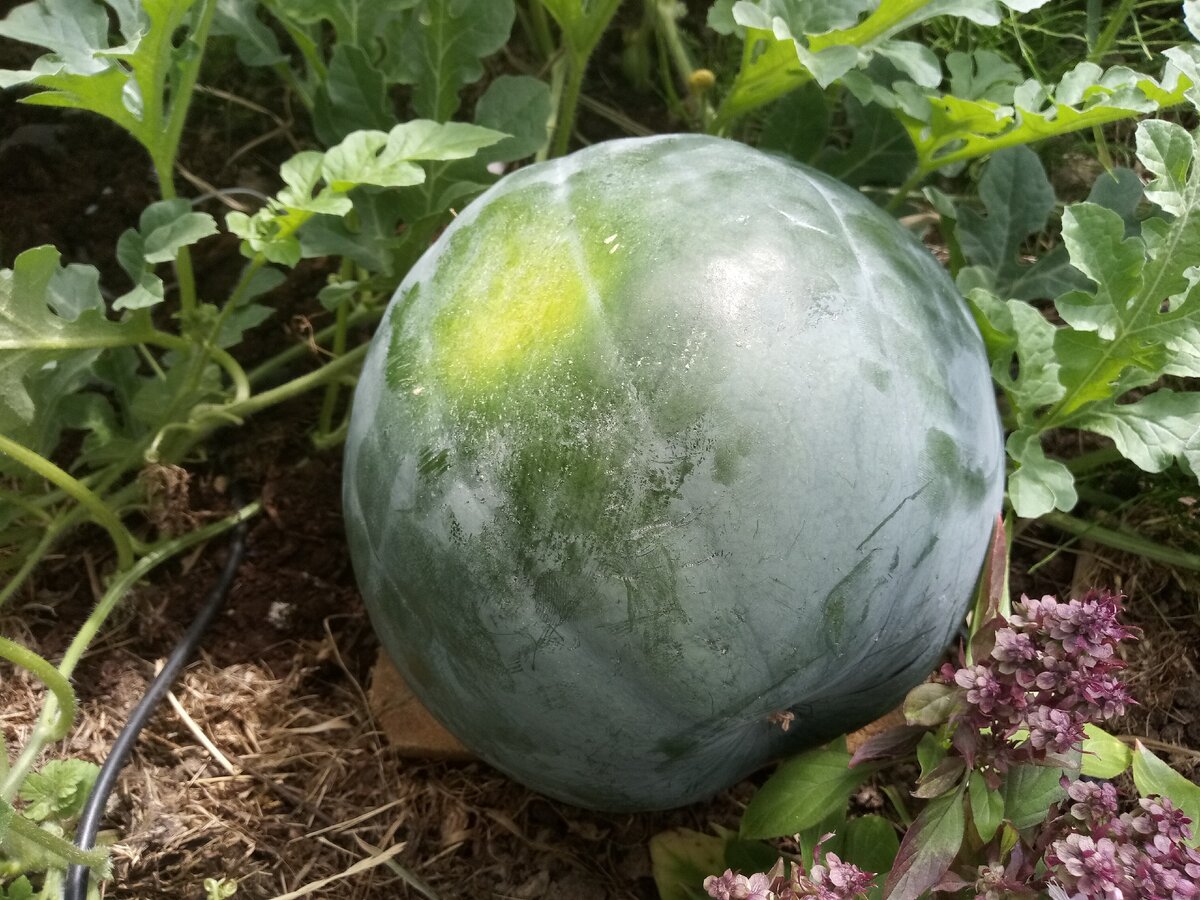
(75, 887)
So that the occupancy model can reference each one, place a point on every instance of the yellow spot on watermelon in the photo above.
(512, 311)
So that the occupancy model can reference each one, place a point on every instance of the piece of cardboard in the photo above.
(407, 725)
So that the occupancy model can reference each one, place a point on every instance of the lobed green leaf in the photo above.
(1039, 484)
(58, 790)
(437, 46)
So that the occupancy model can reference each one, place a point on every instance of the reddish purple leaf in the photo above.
(928, 849)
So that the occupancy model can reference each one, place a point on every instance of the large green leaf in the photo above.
(83, 71)
(437, 46)
(353, 95)
(1018, 200)
(36, 332)
(802, 793)
(681, 859)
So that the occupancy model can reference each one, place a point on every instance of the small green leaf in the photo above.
(20, 889)
(72, 30)
(1095, 238)
(366, 157)
(931, 704)
(169, 225)
(1153, 776)
(1104, 756)
(987, 807)
(928, 848)
(931, 750)
(802, 792)
(1029, 792)
(681, 859)
(982, 75)
(944, 777)
(1039, 484)
(1168, 152)
(334, 295)
(1018, 329)
(58, 790)
(1018, 199)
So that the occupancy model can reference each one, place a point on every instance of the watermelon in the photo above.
(661, 441)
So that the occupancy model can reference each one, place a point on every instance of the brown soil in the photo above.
(269, 768)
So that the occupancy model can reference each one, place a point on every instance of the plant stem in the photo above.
(31, 559)
(167, 150)
(297, 386)
(329, 401)
(542, 37)
(120, 585)
(70, 485)
(902, 192)
(66, 851)
(1108, 36)
(1092, 460)
(565, 125)
(1125, 541)
(50, 677)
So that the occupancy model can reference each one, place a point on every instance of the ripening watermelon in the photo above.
(660, 440)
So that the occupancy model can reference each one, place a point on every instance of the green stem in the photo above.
(1100, 115)
(1125, 541)
(576, 65)
(166, 151)
(83, 638)
(70, 485)
(667, 28)
(902, 192)
(297, 386)
(1092, 460)
(31, 559)
(1109, 35)
(329, 401)
(29, 830)
(1095, 8)
(542, 38)
(558, 77)
(50, 677)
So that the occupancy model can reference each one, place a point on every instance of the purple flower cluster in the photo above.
(835, 880)
(1050, 669)
(1141, 854)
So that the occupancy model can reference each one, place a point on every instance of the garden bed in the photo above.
(268, 767)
